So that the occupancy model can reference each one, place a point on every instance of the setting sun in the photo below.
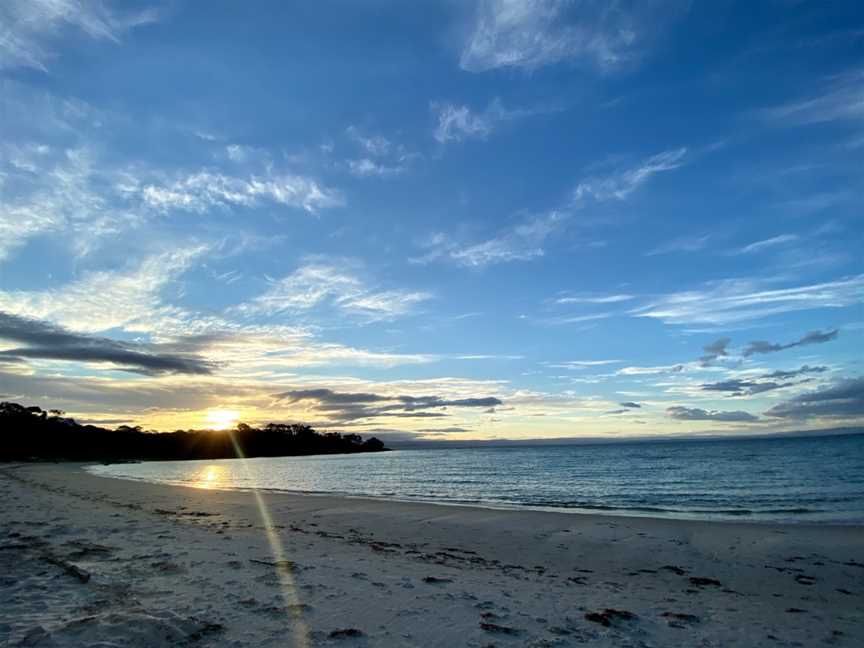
(222, 419)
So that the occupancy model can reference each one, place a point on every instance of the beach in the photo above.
(88, 560)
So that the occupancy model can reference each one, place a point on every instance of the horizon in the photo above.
(449, 223)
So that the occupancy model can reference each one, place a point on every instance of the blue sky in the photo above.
(441, 219)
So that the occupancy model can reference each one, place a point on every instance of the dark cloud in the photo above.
(743, 387)
(617, 411)
(695, 414)
(330, 396)
(51, 342)
(630, 404)
(813, 337)
(347, 406)
(714, 350)
(761, 384)
(805, 369)
(843, 399)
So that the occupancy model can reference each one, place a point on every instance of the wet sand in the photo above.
(87, 561)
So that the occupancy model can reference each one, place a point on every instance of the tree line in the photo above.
(31, 433)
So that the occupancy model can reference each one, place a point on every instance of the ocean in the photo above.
(770, 480)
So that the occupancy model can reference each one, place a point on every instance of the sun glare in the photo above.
(210, 477)
(220, 419)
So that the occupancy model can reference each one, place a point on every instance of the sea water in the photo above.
(787, 479)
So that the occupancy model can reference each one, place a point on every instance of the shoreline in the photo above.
(404, 573)
(616, 513)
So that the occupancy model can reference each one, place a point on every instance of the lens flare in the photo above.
(282, 566)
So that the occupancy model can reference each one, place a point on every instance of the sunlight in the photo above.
(220, 419)
(210, 477)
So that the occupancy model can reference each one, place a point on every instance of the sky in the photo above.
(435, 220)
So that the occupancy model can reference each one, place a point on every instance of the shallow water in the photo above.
(801, 479)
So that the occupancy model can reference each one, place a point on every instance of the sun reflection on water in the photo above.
(210, 477)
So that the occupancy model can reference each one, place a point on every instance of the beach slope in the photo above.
(87, 560)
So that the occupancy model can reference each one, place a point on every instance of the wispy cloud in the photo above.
(594, 299)
(456, 123)
(206, 190)
(375, 145)
(104, 300)
(319, 283)
(619, 186)
(519, 243)
(379, 155)
(759, 246)
(841, 98)
(580, 364)
(647, 371)
(682, 244)
(738, 300)
(525, 241)
(534, 33)
(31, 27)
(47, 191)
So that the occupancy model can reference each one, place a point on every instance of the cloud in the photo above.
(619, 186)
(813, 337)
(761, 384)
(737, 300)
(380, 156)
(205, 190)
(774, 241)
(747, 387)
(30, 27)
(320, 283)
(346, 407)
(522, 242)
(530, 34)
(48, 341)
(696, 414)
(647, 371)
(630, 404)
(46, 190)
(525, 241)
(600, 299)
(375, 145)
(683, 244)
(714, 350)
(805, 369)
(103, 300)
(841, 99)
(458, 123)
(580, 364)
(365, 167)
(842, 400)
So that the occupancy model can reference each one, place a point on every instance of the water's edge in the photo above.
(667, 515)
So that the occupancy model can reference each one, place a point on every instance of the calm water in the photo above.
(804, 480)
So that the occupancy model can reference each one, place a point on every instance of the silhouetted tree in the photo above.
(29, 433)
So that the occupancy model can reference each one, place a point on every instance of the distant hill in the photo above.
(31, 433)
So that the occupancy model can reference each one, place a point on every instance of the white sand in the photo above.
(173, 566)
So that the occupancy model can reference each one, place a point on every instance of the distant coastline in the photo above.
(410, 444)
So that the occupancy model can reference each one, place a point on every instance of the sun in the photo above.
(221, 419)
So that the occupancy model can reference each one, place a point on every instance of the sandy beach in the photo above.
(93, 561)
